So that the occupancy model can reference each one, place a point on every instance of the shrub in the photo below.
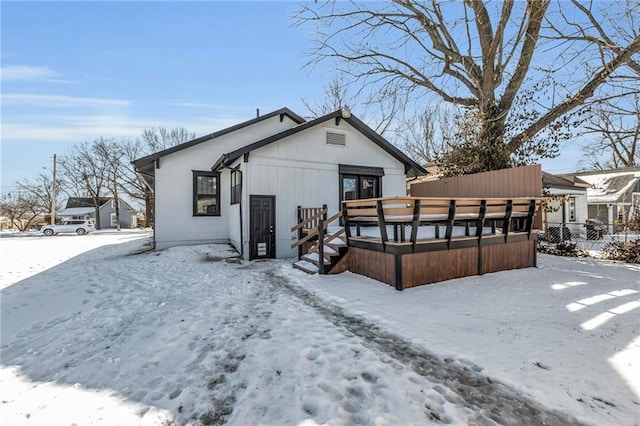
(563, 249)
(627, 252)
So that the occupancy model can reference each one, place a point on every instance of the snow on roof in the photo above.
(76, 211)
(610, 187)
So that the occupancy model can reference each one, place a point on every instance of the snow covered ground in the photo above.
(93, 334)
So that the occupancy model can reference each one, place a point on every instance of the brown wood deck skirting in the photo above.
(373, 264)
(502, 257)
(431, 267)
(403, 269)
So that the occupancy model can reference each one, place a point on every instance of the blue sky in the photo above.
(75, 71)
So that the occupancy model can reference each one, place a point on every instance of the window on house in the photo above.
(358, 182)
(114, 219)
(236, 186)
(206, 194)
(572, 208)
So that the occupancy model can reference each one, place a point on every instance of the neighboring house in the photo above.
(613, 196)
(243, 184)
(567, 209)
(83, 208)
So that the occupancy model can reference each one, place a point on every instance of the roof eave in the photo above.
(352, 120)
(141, 162)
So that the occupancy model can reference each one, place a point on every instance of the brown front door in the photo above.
(262, 227)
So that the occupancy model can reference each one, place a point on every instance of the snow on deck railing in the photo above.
(513, 214)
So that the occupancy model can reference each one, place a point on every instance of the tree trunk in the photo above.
(492, 151)
(97, 207)
(148, 203)
(117, 212)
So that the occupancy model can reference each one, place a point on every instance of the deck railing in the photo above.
(503, 216)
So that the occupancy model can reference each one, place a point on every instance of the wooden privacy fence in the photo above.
(507, 183)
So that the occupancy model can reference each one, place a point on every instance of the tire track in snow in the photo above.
(493, 401)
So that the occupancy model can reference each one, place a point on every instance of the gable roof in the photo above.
(144, 161)
(76, 211)
(611, 186)
(226, 160)
(564, 182)
(74, 202)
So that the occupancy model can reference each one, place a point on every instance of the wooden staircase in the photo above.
(327, 248)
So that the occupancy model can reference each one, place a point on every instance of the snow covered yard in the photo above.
(91, 334)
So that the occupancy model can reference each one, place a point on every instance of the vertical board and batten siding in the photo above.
(175, 223)
(302, 170)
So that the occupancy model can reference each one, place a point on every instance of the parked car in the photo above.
(80, 227)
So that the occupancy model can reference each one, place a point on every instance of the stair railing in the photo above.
(308, 218)
(320, 231)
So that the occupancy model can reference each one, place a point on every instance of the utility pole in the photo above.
(53, 193)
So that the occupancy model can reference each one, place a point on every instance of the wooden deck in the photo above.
(411, 241)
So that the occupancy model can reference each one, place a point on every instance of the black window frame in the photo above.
(359, 173)
(236, 186)
(196, 175)
(359, 178)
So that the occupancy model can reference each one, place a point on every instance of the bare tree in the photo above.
(427, 135)
(86, 173)
(379, 111)
(616, 127)
(21, 209)
(42, 192)
(161, 138)
(111, 154)
(478, 55)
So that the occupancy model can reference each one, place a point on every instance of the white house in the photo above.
(243, 184)
(613, 196)
(567, 209)
(83, 208)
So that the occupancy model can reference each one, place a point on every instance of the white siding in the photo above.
(303, 170)
(234, 214)
(174, 220)
(554, 218)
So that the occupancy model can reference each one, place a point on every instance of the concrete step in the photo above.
(306, 266)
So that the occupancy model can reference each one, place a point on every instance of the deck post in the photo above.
(382, 224)
(300, 232)
(347, 225)
(479, 232)
(452, 214)
(324, 216)
(398, 272)
(530, 214)
(415, 224)
(321, 246)
(507, 220)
